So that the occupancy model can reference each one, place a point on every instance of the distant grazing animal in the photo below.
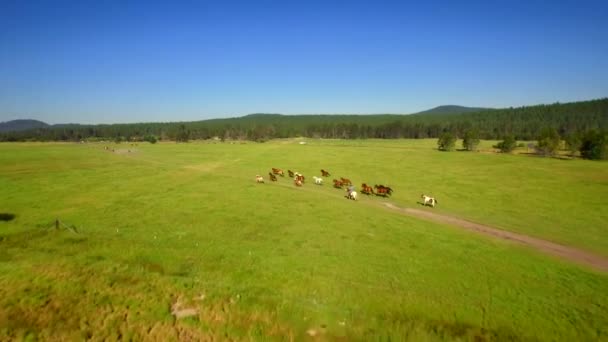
(272, 177)
(297, 182)
(346, 181)
(290, 173)
(367, 189)
(351, 195)
(259, 179)
(278, 172)
(299, 177)
(325, 173)
(338, 184)
(430, 201)
(318, 180)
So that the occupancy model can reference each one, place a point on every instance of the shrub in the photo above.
(548, 142)
(151, 139)
(595, 145)
(470, 140)
(507, 145)
(446, 142)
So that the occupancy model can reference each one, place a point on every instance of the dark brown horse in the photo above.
(338, 184)
(290, 173)
(325, 173)
(272, 177)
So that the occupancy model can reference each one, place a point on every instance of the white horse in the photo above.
(259, 179)
(318, 180)
(351, 195)
(428, 200)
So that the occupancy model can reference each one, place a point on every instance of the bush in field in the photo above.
(595, 145)
(151, 139)
(548, 142)
(507, 145)
(470, 140)
(573, 142)
(446, 142)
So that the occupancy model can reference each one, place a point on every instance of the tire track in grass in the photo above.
(571, 254)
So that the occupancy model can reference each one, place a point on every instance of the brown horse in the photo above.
(366, 189)
(297, 182)
(346, 181)
(272, 177)
(299, 178)
(290, 173)
(382, 190)
(325, 173)
(338, 184)
(278, 172)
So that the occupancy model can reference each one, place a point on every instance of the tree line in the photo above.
(522, 123)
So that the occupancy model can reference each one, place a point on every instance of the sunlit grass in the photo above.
(186, 223)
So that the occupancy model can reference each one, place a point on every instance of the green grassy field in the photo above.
(186, 223)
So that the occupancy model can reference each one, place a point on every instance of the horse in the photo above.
(325, 173)
(366, 189)
(272, 177)
(299, 176)
(351, 195)
(318, 180)
(278, 172)
(338, 184)
(428, 200)
(346, 181)
(290, 173)
(382, 190)
(297, 182)
(259, 179)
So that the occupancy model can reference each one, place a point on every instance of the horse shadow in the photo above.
(7, 217)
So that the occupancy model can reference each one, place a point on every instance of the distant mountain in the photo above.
(452, 109)
(21, 125)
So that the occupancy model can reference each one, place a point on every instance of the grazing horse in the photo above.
(338, 184)
(325, 173)
(278, 172)
(259, 179)
(428, 200)
(351, 195)
(290, 173)
(297, 182)
(272, 177)
(366, 189)
(318, 180)
(346, 181)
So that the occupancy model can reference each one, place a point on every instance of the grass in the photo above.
(186, 223)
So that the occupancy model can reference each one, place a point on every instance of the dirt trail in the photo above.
(575, 255)
(578, 256)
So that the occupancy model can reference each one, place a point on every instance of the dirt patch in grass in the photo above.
(565, 252)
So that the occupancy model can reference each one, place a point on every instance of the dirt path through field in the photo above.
(571, 254)
(578, 256)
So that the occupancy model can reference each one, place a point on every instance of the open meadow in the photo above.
(170, 230)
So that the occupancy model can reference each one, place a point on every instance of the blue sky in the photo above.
(127, 61)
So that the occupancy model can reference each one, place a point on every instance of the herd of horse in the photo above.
(342, 183)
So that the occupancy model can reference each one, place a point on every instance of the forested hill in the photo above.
(21, 125)
(452, 109)
(525, 123)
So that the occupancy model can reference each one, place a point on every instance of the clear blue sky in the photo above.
(103, 61)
